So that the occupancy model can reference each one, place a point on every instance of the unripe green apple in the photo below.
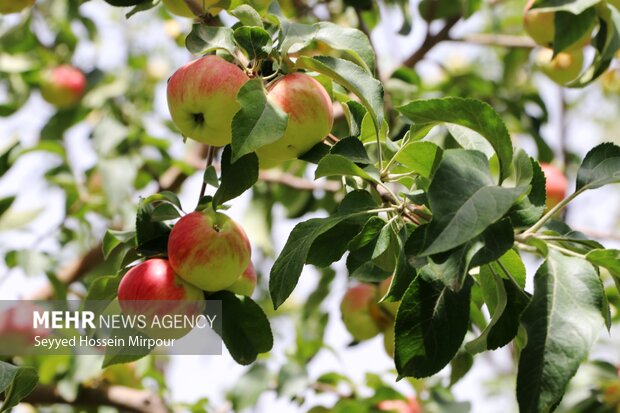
(388, 340)
(14, 6)
(556, 184)
(357, 307)
(563, 68)
(152, 288)
(540, 26)
(246, 283)
(310, 116)
(63, 86)
(180, 8)
(209, 250)
(202, 99)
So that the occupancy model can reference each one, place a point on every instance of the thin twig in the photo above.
(500, 40)
(431, 41)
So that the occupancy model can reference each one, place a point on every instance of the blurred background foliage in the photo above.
(67, 175)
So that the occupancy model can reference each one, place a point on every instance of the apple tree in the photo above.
(431, 186)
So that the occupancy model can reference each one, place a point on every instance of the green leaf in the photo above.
(330, 246)
(451, 267)
(289, 264)
(420, 157)
(368, 89)
(403, 276)
(371, 230)
(210, 176)
(5, 204)
(204, 39)
(469, 139)
(165, 212)
(112, 239)
(574, 6)
(606, 43)
(258, 122)
(237, 178)
(571, 28)
(151, 236)
(386, 249)
(352, 149)
(562, 322)
(470, 113)
(338, 165)
(430, 326)
(606, 258)
(256, 41)
(350, 40)
(104, 288)
(16, 383)
(505, 302)
(245, 328)
(601, 166)
(464, 200)
(529, 210)
(247, 16)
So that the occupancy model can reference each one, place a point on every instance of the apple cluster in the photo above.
(365, 315)
(202, 98)
(562, 67)
(207, 252)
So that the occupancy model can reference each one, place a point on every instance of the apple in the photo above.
(556, 184)
(359, 309)
(14, 6)
(152, 288)
(564, 68)
(154, 279)
(202, 99)
(310, 112)
(390, 306)
(17, 332)
(180, 7)
(246, 283)
(409, 405)
(63, 86)
(209, 250)
(540, 26)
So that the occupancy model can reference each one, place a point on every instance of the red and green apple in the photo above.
(202, 99)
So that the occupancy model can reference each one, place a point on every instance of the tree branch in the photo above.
(123, 398)
(500, 40)
(431, 41)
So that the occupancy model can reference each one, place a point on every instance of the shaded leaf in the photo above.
(562, 322)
